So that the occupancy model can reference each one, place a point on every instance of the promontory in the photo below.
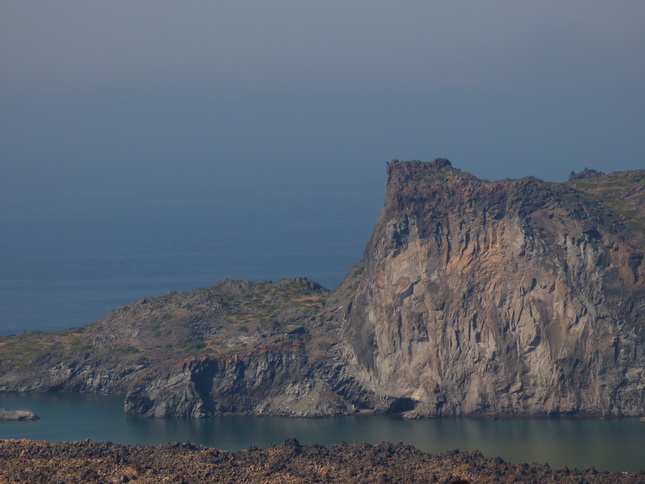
(511, 297)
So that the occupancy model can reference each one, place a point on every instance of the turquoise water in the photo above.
(617, 444)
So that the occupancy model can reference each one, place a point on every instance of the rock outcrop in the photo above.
(514, 297)
(20, 414)
(271, 381)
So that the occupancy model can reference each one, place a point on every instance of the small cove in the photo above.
(613, 444)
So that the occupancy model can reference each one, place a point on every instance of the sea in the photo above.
(68, 257)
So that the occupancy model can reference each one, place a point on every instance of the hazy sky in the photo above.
(123, 94)
(156, 145)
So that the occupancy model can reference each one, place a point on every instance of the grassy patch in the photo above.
(130, 350)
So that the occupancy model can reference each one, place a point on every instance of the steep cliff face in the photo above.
(508, 297)
(272, 381)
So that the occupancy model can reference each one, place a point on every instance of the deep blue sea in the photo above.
(68, 258)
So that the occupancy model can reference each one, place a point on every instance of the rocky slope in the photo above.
(235, 347)
(514, 297)
(508, 297)
(29, 461)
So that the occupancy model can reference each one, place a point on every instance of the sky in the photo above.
(121, 95)
(155, 145)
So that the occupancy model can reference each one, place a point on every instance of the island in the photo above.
(473, 298)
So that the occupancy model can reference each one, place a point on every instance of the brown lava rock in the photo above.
(23, 461)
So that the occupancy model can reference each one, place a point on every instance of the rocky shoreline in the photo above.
(24, 461)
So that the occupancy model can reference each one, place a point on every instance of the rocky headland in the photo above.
(24, 461)
(511, 297)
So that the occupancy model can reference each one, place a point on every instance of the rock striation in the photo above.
(516, 297)
(512, 297)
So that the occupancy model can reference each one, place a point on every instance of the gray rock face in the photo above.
(494, 298)
(21, 414)
(279, 381)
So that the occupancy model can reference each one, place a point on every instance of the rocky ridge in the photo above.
(513, 297)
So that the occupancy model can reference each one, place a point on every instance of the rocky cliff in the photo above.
(514, 297)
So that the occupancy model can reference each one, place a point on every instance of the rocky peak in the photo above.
(498, 297)
(584, 174)
(404, 170)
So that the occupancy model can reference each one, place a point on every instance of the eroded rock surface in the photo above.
(512, 297)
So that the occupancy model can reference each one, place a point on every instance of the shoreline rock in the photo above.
(22, 414)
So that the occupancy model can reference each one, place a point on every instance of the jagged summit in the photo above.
(439, 169)
(416, 165)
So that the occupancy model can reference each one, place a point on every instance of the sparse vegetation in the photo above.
(622, 192)
(177, 325)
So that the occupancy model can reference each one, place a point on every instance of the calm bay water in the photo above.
(605, 444)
